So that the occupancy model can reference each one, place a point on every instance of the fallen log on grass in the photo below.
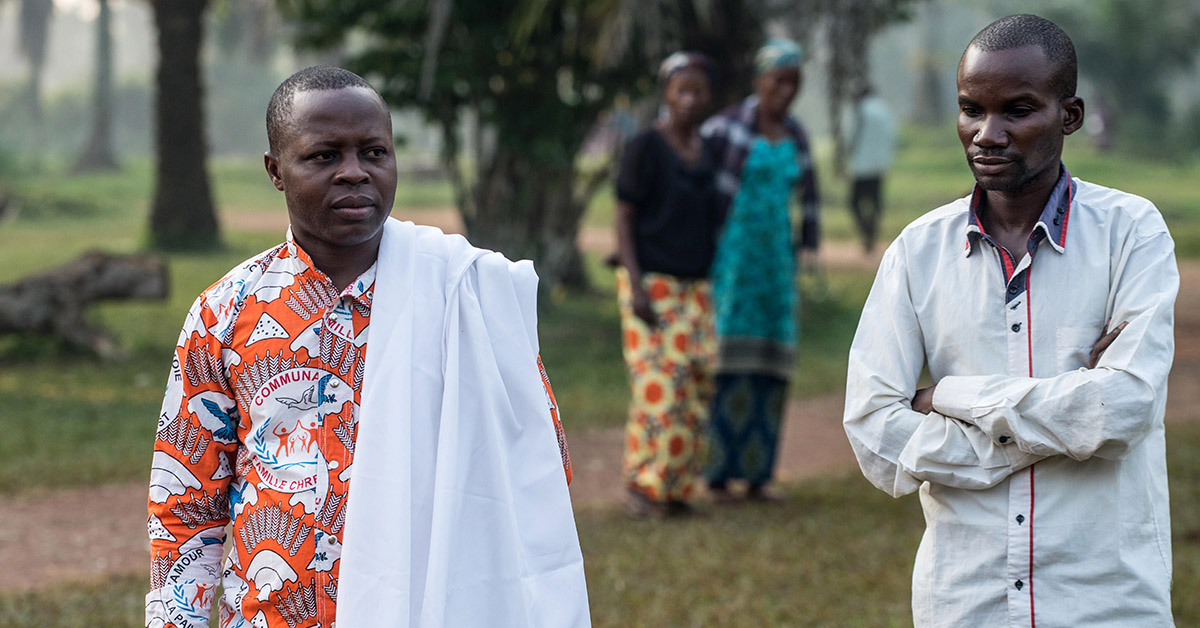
(54, 302)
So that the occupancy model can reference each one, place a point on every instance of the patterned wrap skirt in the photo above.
(670, 370)
(745, 429)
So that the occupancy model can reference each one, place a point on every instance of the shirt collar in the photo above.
(1051, 225)
(361, 289)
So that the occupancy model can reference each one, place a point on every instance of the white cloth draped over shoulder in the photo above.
(459, 513)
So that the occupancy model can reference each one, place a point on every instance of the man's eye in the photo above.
(322, 156)
(377, 152)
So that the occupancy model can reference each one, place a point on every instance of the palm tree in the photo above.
(182, 215)
(98, 154)
(34, 32)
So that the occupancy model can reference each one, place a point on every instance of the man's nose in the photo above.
(352, 170)
(992, 131)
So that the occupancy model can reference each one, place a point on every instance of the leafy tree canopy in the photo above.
(537, 74)
(1130, 49)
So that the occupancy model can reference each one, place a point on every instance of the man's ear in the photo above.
(1072, 114)
(272, 164)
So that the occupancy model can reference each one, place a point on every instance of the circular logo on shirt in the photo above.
(288, 413)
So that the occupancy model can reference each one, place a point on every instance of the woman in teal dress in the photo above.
(764, 158)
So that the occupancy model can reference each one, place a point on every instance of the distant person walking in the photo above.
(764, 156)
(667, 220)
(872, 140)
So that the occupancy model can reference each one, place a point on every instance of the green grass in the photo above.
(580, 339)
(118, 603)
(829, 311)
(837, 554)
(61, 429)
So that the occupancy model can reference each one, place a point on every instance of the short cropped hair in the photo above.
(316, 78)
(1018, 31)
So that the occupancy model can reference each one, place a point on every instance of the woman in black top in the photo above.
(667, 220)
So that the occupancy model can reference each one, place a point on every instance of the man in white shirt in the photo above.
(871, 142)
(1039, 449)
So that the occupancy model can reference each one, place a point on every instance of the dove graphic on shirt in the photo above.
(229, 430)
(311, 398)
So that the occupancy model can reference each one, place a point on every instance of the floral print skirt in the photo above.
(670, 368)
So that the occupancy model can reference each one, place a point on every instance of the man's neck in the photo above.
(1009, 217)
(1005, 213)
(343, 266)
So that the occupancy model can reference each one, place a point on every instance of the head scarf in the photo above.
(684, 60)
(778, 53)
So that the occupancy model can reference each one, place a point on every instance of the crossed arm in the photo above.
(923, 401)
(972, 432)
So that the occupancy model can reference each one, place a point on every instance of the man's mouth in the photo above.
(984, 164)
(354, 206)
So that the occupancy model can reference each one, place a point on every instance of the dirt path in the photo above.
(47, 539)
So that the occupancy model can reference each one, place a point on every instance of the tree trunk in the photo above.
(531, 211)
(99, 153)
(33, 34)
(522, 207)
(182, 216)
(930, 98)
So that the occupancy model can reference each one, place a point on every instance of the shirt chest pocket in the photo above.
(1073, 346)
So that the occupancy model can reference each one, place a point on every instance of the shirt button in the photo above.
(333, 540)
(1062, 210)
(1004, 439)
(1013, 289)
(1057, 221)
(333, 464)
(1016, 327)
(1020, 518)
(1019, 584)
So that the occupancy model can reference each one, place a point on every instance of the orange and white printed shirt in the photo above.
(258, 426)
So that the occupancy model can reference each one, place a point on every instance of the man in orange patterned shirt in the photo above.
(265, 402)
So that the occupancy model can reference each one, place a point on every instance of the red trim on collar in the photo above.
(1062, 236)
(975, 198)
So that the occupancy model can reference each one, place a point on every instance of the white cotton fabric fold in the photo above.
(459, 513)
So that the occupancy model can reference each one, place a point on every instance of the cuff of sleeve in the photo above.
(955, 396)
